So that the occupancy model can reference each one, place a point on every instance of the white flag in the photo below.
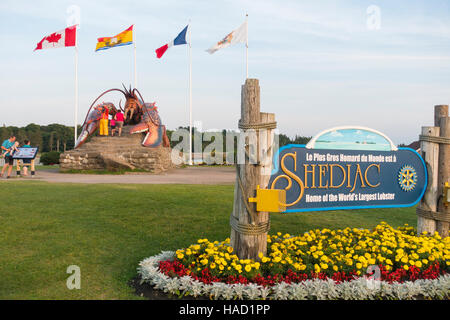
(237, 36)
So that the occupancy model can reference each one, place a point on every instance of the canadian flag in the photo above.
(64, 38)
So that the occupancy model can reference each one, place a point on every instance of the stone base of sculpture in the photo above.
(117, 153)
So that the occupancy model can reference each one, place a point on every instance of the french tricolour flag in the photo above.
(180, 39)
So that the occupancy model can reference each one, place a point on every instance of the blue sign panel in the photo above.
(26, 153)
(333, 179)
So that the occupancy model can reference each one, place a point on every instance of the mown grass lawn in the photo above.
(107, 229)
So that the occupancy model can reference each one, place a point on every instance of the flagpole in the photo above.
(190, 96)
(246, 47)
(134, 44)
(76, 90)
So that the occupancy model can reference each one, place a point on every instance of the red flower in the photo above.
(176, 269)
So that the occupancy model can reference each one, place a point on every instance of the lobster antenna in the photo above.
(99, 98)
(124, 88)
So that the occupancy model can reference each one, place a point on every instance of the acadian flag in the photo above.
(122, 39)
(63, 38)
(180, 39)
(237, 36)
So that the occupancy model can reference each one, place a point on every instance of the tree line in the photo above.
(52, 137)
(58, 137)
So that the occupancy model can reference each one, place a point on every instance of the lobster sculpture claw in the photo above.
(91, 124)
(151, 123)
(143, 116)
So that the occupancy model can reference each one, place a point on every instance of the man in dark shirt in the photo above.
(26, 162)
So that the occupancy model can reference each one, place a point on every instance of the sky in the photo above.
(320, 64)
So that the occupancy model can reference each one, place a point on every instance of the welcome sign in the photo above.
(348, 168)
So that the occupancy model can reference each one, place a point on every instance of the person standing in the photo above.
(26, 162)
(112, 123)
(104, 122)
(6, 147)
(119, 121)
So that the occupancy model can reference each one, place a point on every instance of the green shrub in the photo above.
(49, 158)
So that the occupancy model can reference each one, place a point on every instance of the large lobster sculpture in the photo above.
(143, 116)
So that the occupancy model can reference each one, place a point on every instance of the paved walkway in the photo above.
(189, 175)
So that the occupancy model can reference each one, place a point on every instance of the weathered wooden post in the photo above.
(432, 214)
(430, 154)
(248, 227)
(442, 121)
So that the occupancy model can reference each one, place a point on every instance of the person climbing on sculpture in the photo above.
(9, 161)
(119, 122)
(112, 123)
(104, 122)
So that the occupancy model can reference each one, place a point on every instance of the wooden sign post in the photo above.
(248, 227)
(432, 214)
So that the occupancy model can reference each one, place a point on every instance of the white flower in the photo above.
(357, 289)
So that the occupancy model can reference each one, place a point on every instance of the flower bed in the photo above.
(319, 264)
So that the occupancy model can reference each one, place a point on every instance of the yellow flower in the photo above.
(316, 268)
(330, 249)
(265, 259)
